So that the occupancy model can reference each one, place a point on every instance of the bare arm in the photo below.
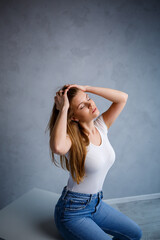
(118, 98)
(60, 143)
(108, 93)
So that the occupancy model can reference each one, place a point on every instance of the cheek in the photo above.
(84, 112)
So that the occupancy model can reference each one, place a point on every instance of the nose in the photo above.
(90, 105)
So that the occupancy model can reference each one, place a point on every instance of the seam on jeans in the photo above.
(74, 209)
(76, 236)
(71, 208)
(116, 232)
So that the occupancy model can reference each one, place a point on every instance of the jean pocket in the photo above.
(76, 204)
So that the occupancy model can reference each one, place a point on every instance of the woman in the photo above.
(84, 147)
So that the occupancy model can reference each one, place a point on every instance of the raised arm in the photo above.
(60, 142)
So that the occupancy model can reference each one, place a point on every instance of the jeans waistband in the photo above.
(83, 195)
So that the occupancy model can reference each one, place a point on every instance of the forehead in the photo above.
(80, 97)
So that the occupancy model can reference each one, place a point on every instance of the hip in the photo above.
(74, 204)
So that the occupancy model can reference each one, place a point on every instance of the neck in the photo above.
(90, 128)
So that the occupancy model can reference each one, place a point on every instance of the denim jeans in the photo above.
(81, 216)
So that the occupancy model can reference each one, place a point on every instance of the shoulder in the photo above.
(99, 122)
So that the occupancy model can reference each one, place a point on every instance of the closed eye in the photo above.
(83, 105)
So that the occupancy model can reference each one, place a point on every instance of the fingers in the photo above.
(66, 90)
(61, 92)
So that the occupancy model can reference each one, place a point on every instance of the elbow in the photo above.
(53, 148)
(57, 149)
(125, 97)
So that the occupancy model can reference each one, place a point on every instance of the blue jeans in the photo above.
(86, 217)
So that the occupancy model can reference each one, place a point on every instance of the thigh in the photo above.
(116, 223)
(82, 229)
(75, 224)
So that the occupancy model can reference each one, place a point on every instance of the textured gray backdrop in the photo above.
(46, 44)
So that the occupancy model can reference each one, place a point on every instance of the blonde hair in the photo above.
(79, 139)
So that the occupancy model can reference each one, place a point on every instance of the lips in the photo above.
(94, 110)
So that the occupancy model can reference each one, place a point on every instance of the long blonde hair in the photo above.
(79, 139)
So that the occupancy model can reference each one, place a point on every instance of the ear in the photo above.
(74, 119)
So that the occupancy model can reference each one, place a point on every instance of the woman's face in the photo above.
(83, 107)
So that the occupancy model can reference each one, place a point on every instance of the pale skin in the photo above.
(83, 107)
(84, 112)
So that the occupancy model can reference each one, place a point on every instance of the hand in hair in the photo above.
(61, 99)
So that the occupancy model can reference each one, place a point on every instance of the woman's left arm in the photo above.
(118, 98)
(108, 93)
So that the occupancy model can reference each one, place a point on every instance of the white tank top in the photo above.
(99, 160)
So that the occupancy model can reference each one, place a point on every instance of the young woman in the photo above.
(83, 145)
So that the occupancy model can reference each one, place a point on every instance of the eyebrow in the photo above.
(82, 102)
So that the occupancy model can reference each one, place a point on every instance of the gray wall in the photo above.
(46, 44)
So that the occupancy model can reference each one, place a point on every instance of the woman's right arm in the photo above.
(60, 143)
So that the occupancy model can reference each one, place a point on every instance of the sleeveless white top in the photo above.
(99, 160)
